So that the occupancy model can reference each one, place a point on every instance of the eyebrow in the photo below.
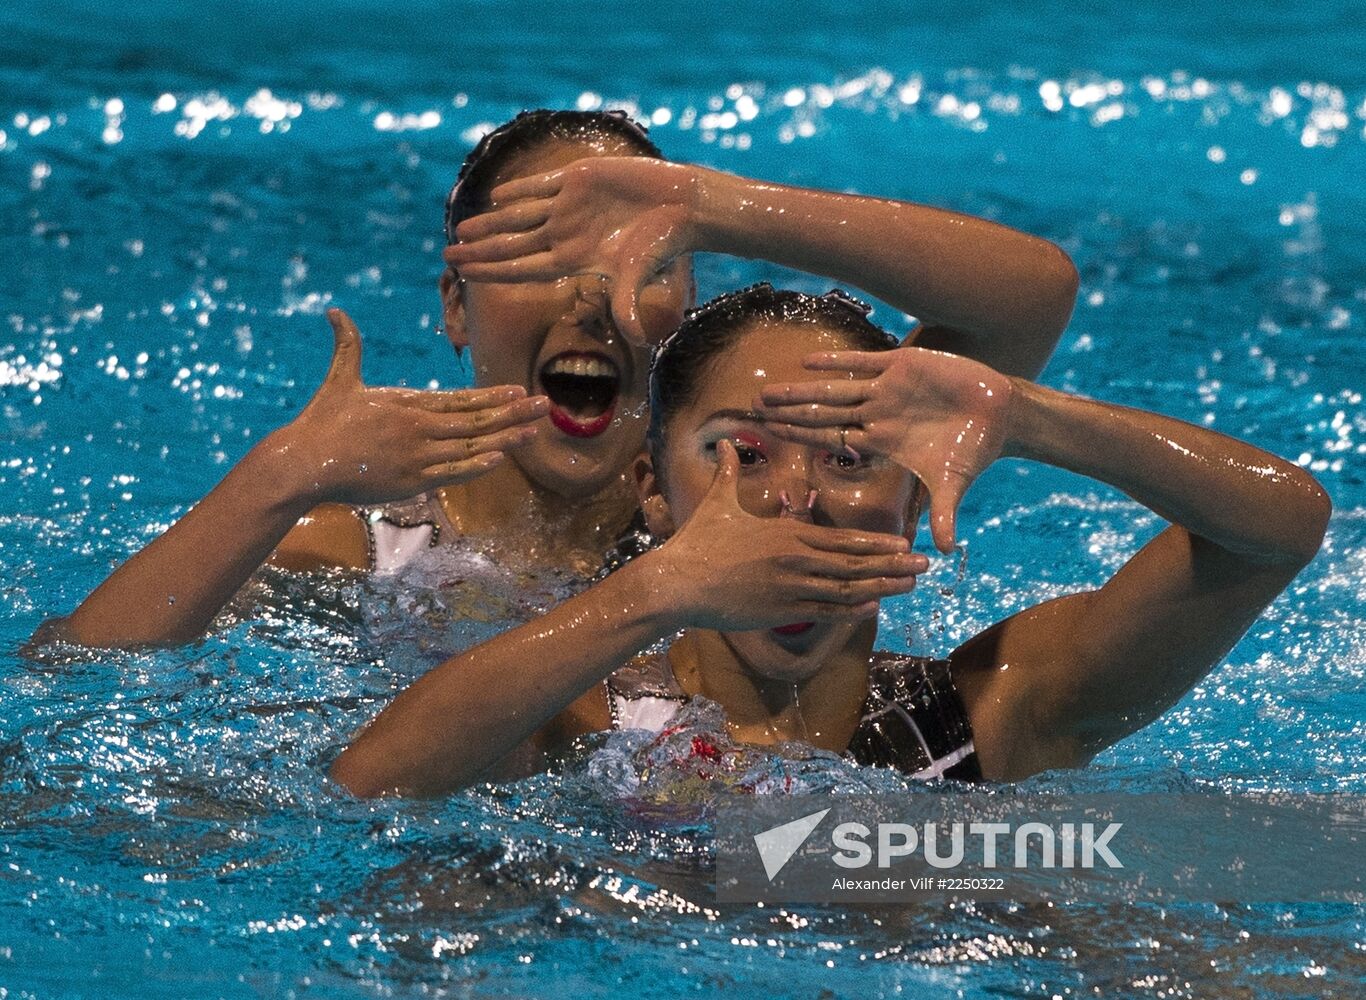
(748, 416)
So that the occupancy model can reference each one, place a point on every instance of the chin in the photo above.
(790, 659)
(577, 469)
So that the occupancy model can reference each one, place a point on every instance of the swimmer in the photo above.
(791, 444)
(534, 462)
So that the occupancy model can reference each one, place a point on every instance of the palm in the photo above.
(941, 416)
(625, 218)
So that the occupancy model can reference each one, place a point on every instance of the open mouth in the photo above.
(583, 389)
(796, 628)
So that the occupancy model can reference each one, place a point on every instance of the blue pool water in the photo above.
(184, 189)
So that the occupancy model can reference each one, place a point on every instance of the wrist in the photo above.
(652, 584)
(284, 475)
(719, 203)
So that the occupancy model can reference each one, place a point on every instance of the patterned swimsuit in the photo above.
(913, 718)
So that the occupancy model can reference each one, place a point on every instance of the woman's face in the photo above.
(557, 339)
(870, 493)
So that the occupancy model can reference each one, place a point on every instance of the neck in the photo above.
(823, 709)
(508, 511)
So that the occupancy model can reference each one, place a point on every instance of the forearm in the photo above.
(1230, 493)
(1009, 294)
(171, 590)
(464, 716)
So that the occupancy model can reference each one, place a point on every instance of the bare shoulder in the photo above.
(1001, 674)
(330, 536)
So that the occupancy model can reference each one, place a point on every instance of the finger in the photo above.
(448, 427)
(724, 485)
(515, 218)
(810, 414)
(846, 392)
(852, 442)
(458, 449)
(536, 186)
(854, 592)
(536, 267)
(855, 362)
(842, 566)
(850, 540)
(834, 613)
(503, 246)
(345, 348)
(460, 400)
(450, 473)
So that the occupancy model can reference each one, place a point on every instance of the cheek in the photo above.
(505, 316)
(874, 505)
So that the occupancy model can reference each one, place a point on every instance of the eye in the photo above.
(749, 453)
(847, 463)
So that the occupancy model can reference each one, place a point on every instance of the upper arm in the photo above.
(586, 714)
(330, 536)
(1061, 681)
(1024, 355)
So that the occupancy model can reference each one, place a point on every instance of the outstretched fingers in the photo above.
(536, 186)
(840, 439)
(850, 541)
(845, 392)
(460, 470)
(438, 453)
(497, 247)
(843, 566)
(515, 218)
(449, 426)
(460, 400)
(856, 592)
(539, 266)
(855, 362)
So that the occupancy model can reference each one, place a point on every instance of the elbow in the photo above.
(1313, 523)
(1065, 281)
(359, 776)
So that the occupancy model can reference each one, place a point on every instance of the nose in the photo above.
(592, 297)
(796, 506)
(794, 489)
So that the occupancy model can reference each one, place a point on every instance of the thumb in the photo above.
(724, 488)
(944, 501)
(626, 308)
(345, 348)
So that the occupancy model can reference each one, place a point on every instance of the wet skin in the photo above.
(519, 334)
(778, 478)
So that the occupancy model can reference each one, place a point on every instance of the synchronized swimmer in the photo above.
(783, 461)
(533, 464)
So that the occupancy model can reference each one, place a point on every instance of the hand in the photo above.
(355, 444)
(627, 218)
(939, 415)
(735, 572)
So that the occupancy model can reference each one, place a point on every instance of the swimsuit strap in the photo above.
(395, 533)
(644, 694)
(914, 720)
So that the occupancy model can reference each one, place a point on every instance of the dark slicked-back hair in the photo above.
(682, 361)
(528, 131)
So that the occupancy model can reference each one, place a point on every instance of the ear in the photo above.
(453, 310)
(658, 518)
